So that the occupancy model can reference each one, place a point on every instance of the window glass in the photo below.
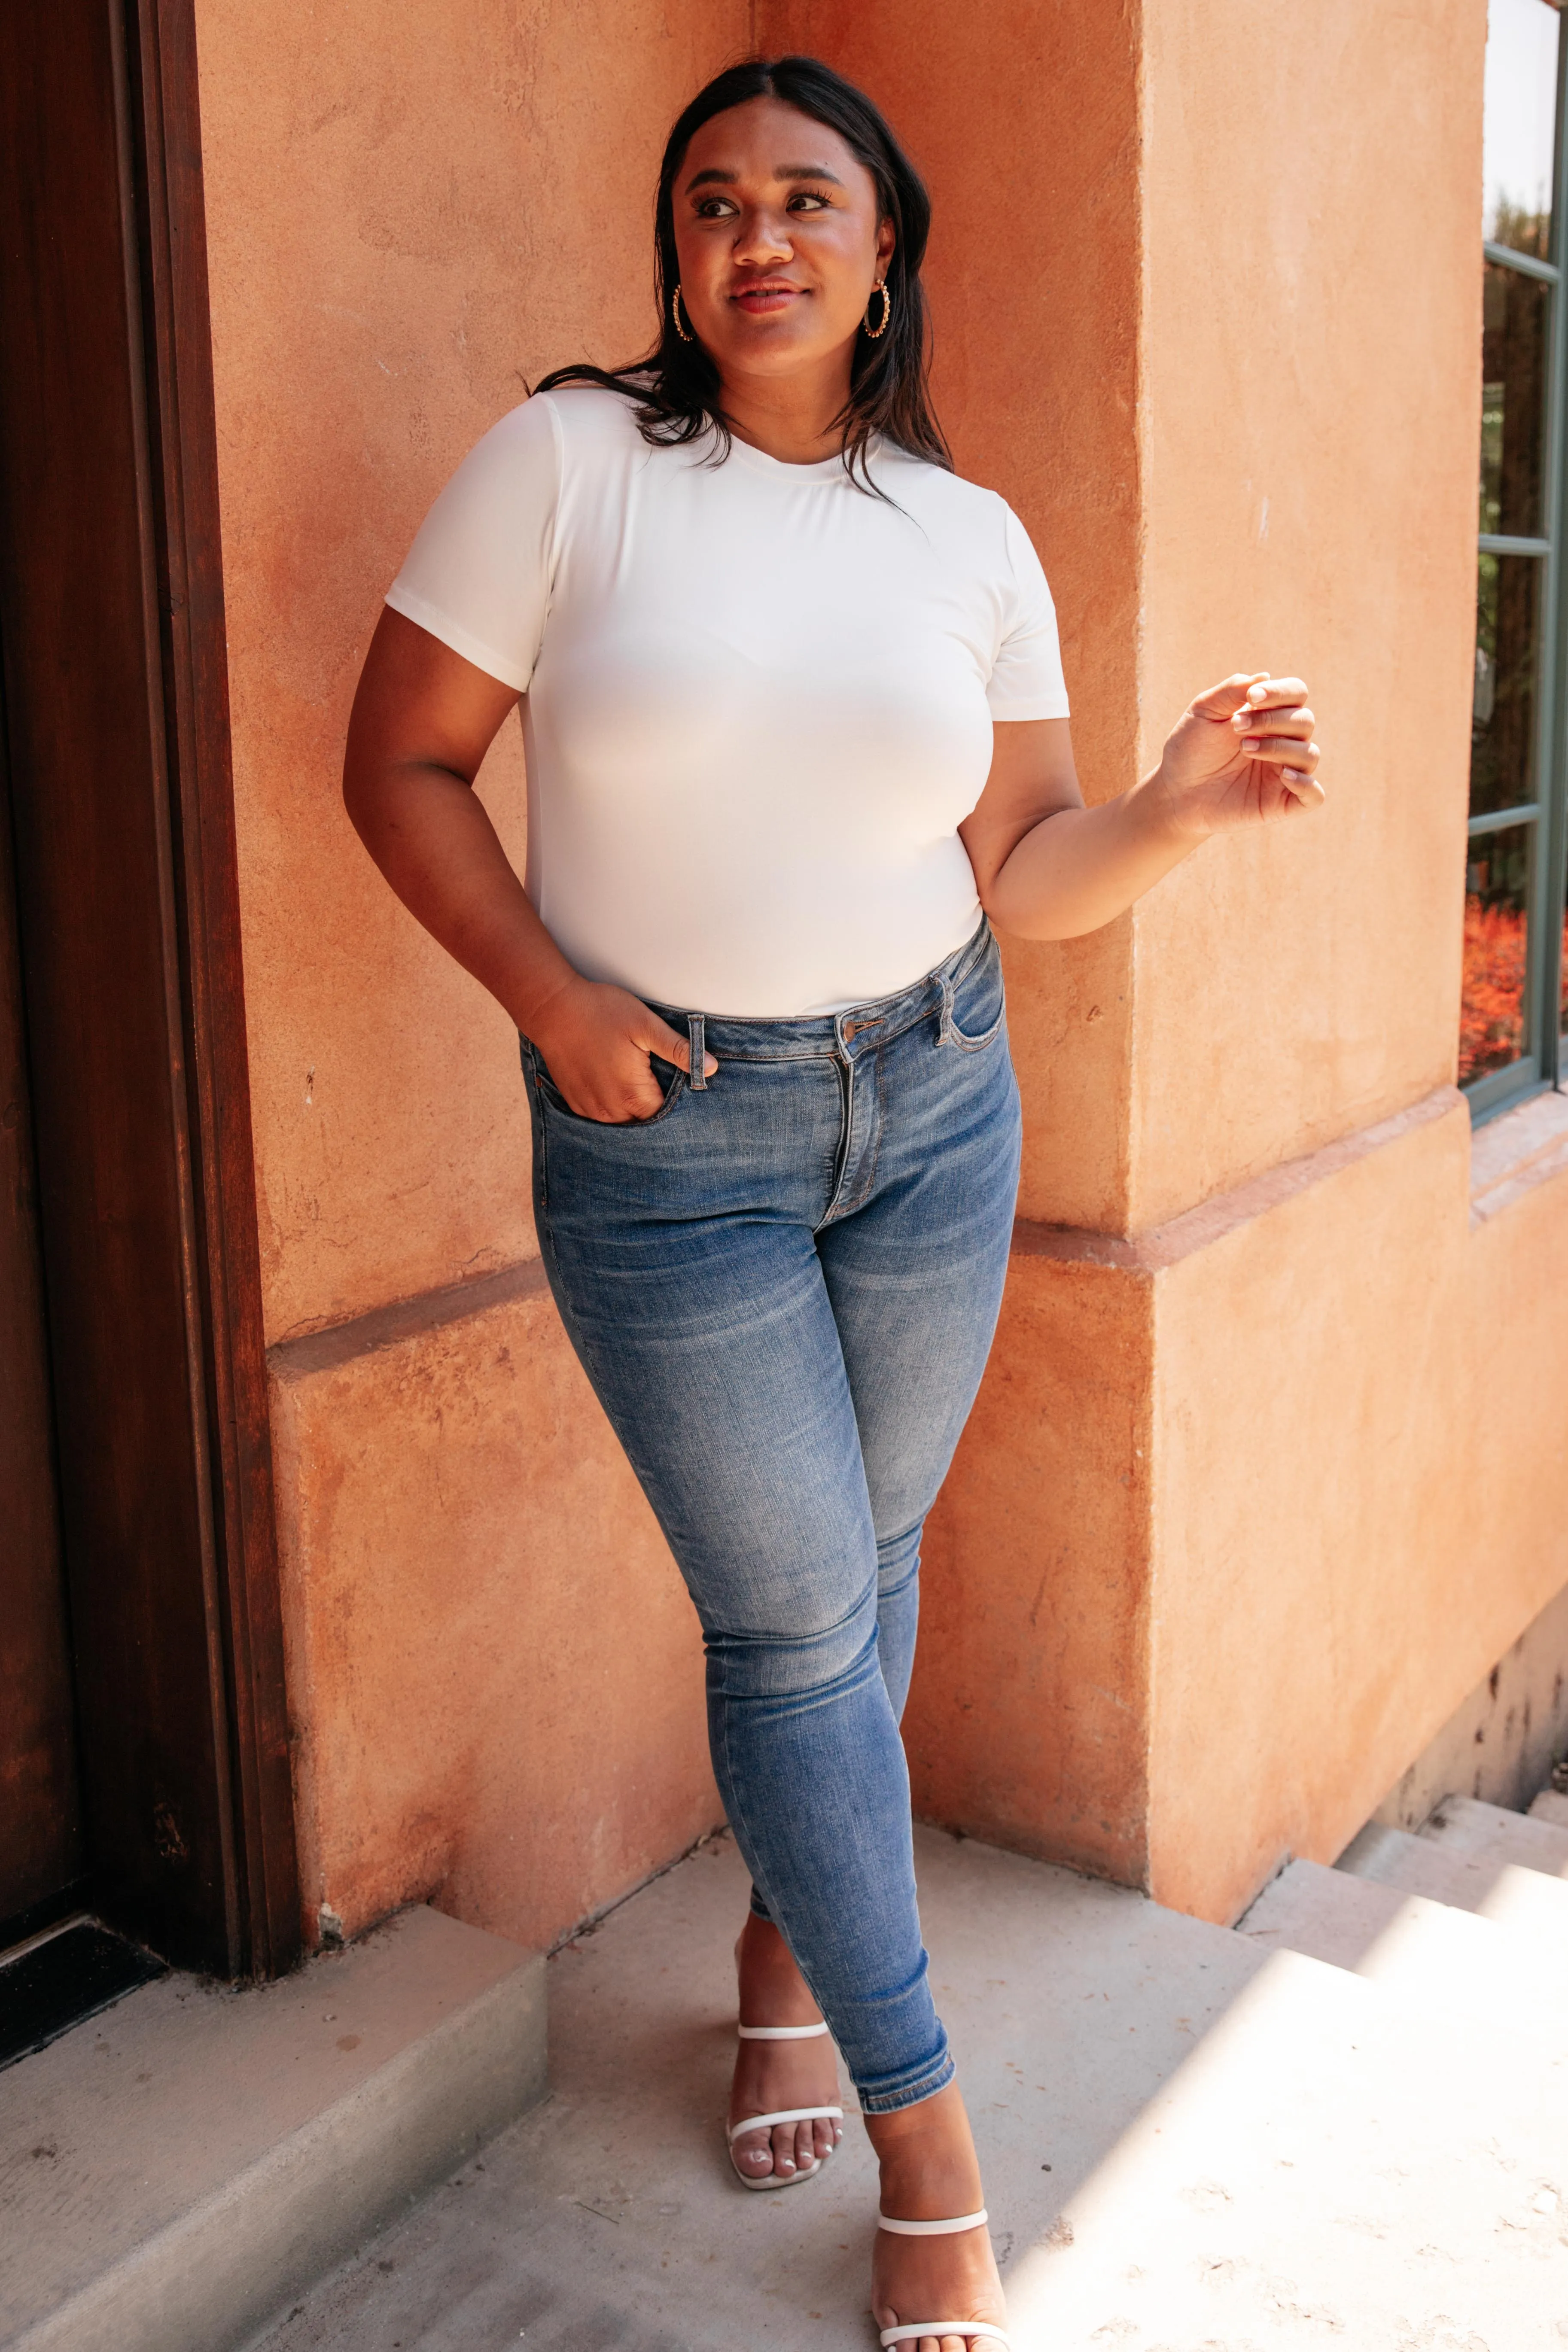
(1502, 734)
(1520, 123)
(1513, 394)
(1493, 1026)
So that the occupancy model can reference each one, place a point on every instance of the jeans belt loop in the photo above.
(696, 1031)
(944, 1035)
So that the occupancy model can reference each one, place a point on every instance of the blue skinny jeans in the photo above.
(782, 1286)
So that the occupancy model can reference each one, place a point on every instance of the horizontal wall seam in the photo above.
(1487, 1204)
(405, 1319)
(408, 1319)
(1200, 1228)
(1163, 1245)
(1514, 1153)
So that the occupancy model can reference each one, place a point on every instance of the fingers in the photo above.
(1245, 692)
(659, 1038)
(1301, 759)
(1293, 717)
(1229, 696)
(1285, 750)
(1266, 693)
(597, 1041)
(1274, 727)
(1286, 791)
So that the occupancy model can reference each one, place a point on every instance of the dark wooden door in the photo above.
(40, 1804)
(116, 722)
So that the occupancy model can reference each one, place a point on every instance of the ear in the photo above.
(885, 240)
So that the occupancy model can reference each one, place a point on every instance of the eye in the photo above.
(713, 207)
(810, 196)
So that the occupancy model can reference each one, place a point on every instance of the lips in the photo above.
(765, 301)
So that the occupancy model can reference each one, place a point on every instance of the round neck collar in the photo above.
(820, 469)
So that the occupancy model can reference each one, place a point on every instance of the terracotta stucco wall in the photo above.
(1268, 1468)
(495, 1676)
(491, 1662)
(412, 211)
(1312, 321)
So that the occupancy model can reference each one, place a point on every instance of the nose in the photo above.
(763, 237)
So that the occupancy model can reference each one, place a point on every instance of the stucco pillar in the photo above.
(1190, 1588)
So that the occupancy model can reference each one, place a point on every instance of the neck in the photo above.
(789, 417)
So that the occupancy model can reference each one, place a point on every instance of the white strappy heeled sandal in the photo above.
(909, 2330)
(784, 2115)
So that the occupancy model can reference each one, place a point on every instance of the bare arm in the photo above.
(423, 720)
(1048, 868)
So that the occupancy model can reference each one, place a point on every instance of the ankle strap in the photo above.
(780, 2033)
(932, 2229)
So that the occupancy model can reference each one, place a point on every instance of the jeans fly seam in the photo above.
(844, 1205)
(844, 1063)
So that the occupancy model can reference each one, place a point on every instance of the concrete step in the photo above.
(1492, 1836)
(1551, 1806)
(1188, 2140)
(1447, 1961)
(176, 2170)
(1523, 1899)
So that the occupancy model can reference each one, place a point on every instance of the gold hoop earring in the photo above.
(675, 313)
(875, 334)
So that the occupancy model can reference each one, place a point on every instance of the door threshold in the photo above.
(65, 1975)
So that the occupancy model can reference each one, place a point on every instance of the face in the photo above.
(779, 241)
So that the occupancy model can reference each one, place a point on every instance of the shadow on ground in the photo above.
(1192, 2144)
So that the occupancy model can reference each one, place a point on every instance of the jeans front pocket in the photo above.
(672, 1080)
(975, 1008)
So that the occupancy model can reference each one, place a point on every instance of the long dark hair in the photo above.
(676, 386)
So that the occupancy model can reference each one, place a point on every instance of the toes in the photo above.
(784, 2150)
(805, 2150)
(754, 2156)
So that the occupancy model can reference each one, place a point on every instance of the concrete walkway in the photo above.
(1194, 2142)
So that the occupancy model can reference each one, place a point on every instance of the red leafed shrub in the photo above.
(1491, 1022)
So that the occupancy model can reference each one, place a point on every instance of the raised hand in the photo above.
(1242, 754)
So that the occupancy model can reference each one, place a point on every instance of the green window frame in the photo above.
(1532, 856)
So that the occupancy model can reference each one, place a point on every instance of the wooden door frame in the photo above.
(195, 1842)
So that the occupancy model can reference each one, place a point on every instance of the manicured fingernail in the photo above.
(1252, 743)
(1256, 693)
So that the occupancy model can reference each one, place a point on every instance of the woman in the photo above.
(795, 729)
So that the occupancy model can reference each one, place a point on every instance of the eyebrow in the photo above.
(781, 172)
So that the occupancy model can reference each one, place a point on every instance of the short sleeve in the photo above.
(1026, 679)
(479, 574)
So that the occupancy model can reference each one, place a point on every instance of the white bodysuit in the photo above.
(760, 700)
